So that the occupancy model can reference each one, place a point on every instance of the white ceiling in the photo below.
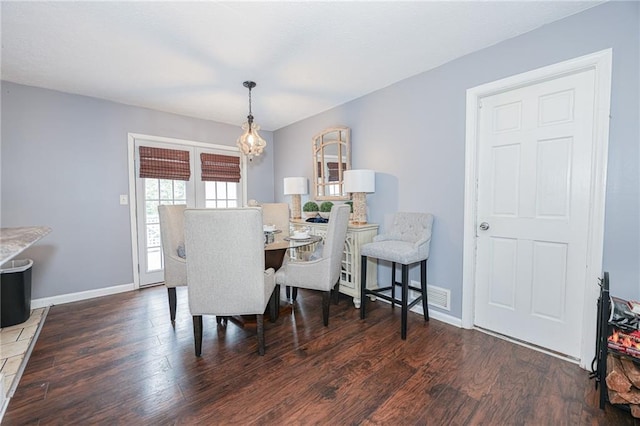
(191, 58)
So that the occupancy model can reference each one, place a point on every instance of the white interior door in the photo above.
(535, 148)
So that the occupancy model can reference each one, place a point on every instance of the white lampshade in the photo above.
(295, 185)
(359, 181)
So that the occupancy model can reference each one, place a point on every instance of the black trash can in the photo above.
(15, 292)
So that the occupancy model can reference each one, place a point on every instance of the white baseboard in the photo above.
(440, 316)
(82, 295)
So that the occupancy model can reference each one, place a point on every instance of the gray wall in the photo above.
(64, 164)
(413, 134)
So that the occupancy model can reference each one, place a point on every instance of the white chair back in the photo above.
(413, 228)
(225, 262)
(334, 242)
(172, 236)
(276, 214)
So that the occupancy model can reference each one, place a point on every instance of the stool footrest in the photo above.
(378, 289)
(414, 302)
(381, 296)
(410, 287)
(388, 298)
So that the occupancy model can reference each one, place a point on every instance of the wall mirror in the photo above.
(331, 157)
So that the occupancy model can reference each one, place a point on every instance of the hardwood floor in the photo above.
(118, 360)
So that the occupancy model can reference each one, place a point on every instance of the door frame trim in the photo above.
(601, 63)
(131, 154)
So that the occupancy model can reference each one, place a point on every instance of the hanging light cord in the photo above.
(250, 85)
(250, 117)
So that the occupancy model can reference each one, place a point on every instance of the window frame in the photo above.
(195, 148)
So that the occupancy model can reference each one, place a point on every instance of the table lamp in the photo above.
(295, 186)
(359, 182)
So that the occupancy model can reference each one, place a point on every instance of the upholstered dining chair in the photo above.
(321, 274)
(276, 214)
(225, 267)
(172, 238)
(406, 242)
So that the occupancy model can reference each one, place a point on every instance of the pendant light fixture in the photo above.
(250, 142)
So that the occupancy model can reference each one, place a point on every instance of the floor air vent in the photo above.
(437, 296)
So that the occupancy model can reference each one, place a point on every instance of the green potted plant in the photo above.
(350, 204)
(325, 209)
(310, 209)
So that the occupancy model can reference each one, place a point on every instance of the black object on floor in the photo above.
(15, 292)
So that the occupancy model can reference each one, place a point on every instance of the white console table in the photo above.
(357, 235)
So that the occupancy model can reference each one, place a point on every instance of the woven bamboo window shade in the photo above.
(334, 170)
(220, 168)
(162, 163)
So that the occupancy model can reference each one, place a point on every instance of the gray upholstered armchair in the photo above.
(321, 274)
(277, 214)
(172, 236)
(406, 242)
(225, 267)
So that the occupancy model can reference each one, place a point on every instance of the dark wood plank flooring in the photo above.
(118, 360)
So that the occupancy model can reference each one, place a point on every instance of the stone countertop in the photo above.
(14, 241)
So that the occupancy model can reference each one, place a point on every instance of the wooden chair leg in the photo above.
(405, 297)
(363, 285)
(326, 299)
(291, 292)
(393, 284)
(260, 324)
(197, 333)
(273, 304)
(336, 292)
(173, 301)
(423, 286)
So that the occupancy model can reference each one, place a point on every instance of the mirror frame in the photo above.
(341, 137)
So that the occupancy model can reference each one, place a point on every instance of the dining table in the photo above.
(276, 249)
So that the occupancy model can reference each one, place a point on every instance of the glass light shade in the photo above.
(250, 142)
(295, 185)
(359, 181)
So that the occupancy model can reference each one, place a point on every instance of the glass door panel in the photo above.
(150, 193)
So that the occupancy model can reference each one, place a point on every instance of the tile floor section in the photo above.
(14, 346)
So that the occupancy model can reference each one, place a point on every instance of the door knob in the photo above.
(484, 226)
